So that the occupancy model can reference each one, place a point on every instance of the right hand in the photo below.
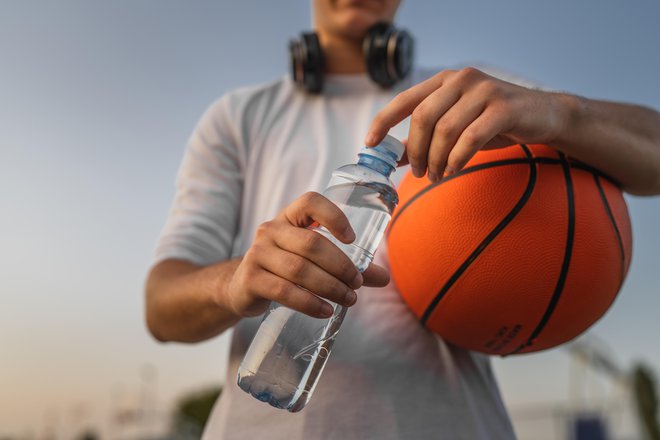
(297, 267)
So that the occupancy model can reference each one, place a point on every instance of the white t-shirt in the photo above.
(253, 152)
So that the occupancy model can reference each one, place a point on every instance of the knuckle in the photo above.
(282, 292)
(296, 266)
(402, 97)
(309, 197)
(347, 269)
(444, 129)
(263, 229)
(251, 255)
(449, 72)
(258, 249)
(471, 137)
(421, 115)
(445, 74)
(490, 89)
(469, 73)
(311, 243)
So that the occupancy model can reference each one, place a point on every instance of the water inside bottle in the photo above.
(289, 358)
(368, 207)
(290, 349)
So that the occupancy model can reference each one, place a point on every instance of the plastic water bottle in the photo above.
(289, 351)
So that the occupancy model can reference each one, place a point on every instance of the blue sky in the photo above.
(97, 100)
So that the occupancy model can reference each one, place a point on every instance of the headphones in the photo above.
(388, 54)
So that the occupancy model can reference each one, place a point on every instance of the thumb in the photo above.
(376, 276)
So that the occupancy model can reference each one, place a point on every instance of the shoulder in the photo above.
(232, 112)
(237, 102)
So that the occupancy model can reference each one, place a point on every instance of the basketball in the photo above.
(520, 251)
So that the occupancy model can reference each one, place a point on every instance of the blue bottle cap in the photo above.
(390, 149)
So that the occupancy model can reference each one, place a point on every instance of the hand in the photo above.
(297, 267)
(457, 113)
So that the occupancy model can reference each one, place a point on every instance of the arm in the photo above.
(183, 290)
(622, 140)
(198, 290)
(287, 263)
(183, 300)
(456, 113)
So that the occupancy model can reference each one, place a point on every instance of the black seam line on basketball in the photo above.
(518, 161)
(568, 251)
(463, 172)
(618, 236)
(531, 183)
(610, 215)
(579, 166)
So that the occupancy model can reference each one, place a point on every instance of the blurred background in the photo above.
(97, 100)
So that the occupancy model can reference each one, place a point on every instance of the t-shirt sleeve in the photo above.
(203, 218)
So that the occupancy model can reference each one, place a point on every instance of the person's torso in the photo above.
(387, 377)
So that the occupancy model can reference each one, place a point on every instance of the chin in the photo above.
(354, 22)
(352, 18)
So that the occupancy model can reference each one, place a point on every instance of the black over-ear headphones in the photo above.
(388, 54)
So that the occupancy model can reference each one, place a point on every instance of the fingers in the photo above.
(447, 130)
(456, 113)
(422, 127)
(313, 207)
(479, 133)
(269, 286)
(376, 276)
(320, 251)
(295, 266)
(404, 159)
(307, 275)
(401, 107)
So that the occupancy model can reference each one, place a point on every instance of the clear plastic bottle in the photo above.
(289, 351)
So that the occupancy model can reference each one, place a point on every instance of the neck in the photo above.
(341, 55)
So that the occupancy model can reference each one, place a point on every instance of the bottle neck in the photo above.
(376, 164)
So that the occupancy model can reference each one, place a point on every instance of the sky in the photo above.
(97, 100)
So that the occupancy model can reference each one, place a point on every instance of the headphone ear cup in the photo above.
(307, 62)
(315, 67)
(388, 54)
(403, 54)
(295, 58)
(374, 48)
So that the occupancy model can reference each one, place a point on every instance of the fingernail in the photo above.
(417, 172)
(327, 310)
(371, 139)
(357, 281)
(351, 297)
(349, 234)
(432, 177)
(449, 171)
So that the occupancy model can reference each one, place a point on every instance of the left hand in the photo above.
(457, 113)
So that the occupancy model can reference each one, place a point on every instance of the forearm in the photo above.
(621, 140)
(184, 302)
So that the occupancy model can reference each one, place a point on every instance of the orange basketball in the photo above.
(520, 251)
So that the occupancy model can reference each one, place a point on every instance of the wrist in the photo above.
(221, 284)
(570, 110)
